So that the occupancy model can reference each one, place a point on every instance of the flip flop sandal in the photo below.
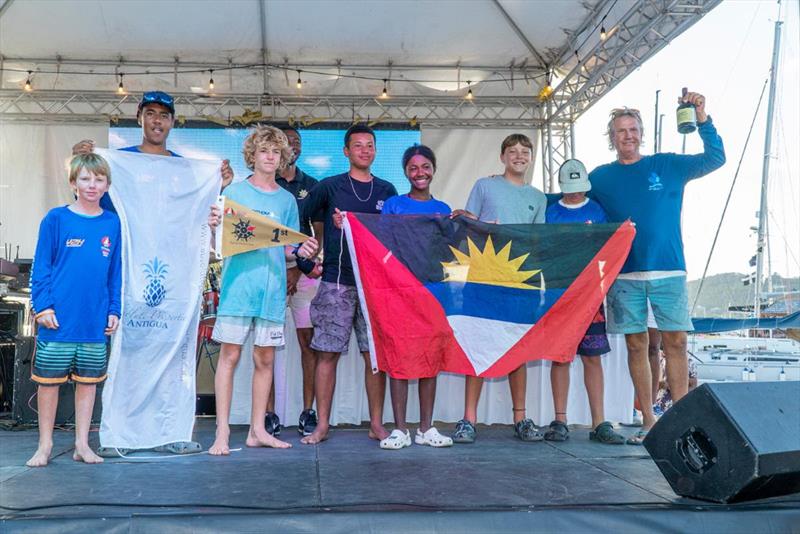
(180, 447)
(112, 452)
(396, 440)
(637, 438)
(558, 431)
(604, 433)
(433, 438)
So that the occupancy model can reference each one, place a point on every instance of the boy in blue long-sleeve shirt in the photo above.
(76, 294)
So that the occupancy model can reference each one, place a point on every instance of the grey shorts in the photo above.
(334, 314)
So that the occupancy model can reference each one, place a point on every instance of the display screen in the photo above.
(321, 155)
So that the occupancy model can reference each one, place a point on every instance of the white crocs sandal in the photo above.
(396, 440)
(433, 438)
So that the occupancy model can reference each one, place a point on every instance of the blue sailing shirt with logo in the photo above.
(650, 193)
(105, 200)
(405, 205)
(77, 272)
(254, 283)
(587, 211)
(342, 192)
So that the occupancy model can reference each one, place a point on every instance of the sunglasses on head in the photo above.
(617, 112)
(158, 97)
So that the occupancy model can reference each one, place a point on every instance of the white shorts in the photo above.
(234, 330)
(300, 302)
(651, 319)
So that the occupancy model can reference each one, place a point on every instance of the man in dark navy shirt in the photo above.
(301, 288)
(335, 311)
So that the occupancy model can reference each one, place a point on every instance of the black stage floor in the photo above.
(348, 484)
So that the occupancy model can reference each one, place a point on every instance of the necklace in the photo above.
(353, 187)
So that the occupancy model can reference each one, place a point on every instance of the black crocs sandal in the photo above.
(558, 432)
(604, 433)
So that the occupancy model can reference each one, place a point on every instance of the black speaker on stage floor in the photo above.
(24, 408)
(729, 442)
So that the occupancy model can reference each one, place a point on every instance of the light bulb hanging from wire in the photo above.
(28, 84)
(469, 95)
(211, 80)
(121, 86)
(299, 81)
(603, 34)
(385, 92)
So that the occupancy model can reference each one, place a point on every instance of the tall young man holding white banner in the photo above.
(156, 116)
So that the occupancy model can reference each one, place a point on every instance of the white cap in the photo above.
(573, 178)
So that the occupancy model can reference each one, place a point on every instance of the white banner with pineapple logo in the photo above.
(163, 204)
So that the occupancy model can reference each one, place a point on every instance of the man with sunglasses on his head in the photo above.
(156, 116)
(648, 190)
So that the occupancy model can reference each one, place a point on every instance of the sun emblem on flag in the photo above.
(243, 230)
(489, 267)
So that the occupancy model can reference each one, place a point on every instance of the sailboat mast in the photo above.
(762, 212)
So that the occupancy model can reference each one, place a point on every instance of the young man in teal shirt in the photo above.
(253, 297)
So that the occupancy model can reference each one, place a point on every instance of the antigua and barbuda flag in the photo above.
(478, 299)
(244, 229)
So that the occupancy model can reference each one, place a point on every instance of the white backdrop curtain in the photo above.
(33, 175)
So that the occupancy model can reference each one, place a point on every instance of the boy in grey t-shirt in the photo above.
(501, 200)
(505, 199)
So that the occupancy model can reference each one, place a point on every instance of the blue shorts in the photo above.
(669, 298)
(55, 362)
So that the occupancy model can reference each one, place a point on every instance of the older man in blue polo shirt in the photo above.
(649, 191)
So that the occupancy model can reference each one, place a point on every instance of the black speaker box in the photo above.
(24, 406)
(729, 442)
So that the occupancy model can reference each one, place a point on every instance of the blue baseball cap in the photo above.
(157, 97)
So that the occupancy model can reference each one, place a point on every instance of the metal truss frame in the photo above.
(636, 31)
(642, 31)
(242, 109)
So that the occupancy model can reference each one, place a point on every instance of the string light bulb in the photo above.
(546, 89)
(299, 81)
(211, 80)
(603, 34)
(121, 86)
(28, 84)
(469, 95)
(385, 92)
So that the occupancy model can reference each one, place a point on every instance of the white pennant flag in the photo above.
(163, 205)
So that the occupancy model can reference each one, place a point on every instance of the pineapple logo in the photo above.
(154, 292)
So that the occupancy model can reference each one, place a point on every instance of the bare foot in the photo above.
(221, 445)
(40, 457)
(85, 454)
(378, 432)
(319, 435)
(263, 439)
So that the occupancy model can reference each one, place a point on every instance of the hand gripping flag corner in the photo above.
(479, 299)
(243, 229)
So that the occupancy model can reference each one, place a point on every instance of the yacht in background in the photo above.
(744, 358)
